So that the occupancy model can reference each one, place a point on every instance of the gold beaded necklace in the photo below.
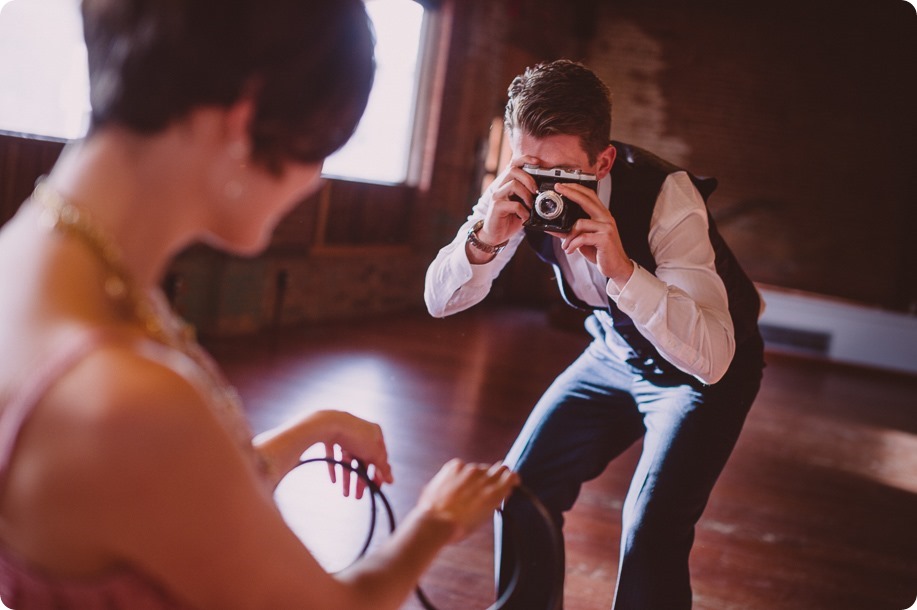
(149, 309)
(60, 215)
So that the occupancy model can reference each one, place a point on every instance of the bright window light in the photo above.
(380, 149)
(45, 87)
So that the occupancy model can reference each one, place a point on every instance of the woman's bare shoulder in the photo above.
(117, 413)
(154, 487)
(122, 386)
(108, 435)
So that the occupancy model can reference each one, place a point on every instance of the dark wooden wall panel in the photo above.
(22, 162)
(362, 214)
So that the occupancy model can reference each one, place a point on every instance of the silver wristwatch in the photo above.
(477, 244)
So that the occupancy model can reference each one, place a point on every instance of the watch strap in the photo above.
(477, 244)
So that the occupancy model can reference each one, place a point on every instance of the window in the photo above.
(45, 89)
(380, 149)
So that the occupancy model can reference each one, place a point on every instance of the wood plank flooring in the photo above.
(816, 510)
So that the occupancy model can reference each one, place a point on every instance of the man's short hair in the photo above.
(561, 97)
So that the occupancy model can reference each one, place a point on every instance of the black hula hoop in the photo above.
(554, 599)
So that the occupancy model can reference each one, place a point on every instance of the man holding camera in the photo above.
(676, 359)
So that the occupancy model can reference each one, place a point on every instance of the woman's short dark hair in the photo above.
(561, 97)
(308, 65)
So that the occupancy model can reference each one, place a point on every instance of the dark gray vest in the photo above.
(637, 177)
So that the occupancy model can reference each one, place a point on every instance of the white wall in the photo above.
(856, 334)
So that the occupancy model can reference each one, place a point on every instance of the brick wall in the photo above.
(803, 110)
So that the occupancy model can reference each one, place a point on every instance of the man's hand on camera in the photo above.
(596, 237)
(507, 202)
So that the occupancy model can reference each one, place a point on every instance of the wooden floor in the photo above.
(816, 510)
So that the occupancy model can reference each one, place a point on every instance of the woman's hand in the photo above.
(464, 495)
(358, 440)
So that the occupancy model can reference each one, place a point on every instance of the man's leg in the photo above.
(690, 434)
(580, 424)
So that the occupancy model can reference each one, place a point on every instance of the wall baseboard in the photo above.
(838, 330)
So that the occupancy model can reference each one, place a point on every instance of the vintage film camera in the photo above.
(551, 211)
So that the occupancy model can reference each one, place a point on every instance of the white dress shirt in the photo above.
(682, 309)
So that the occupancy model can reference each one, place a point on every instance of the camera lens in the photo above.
(549, 205)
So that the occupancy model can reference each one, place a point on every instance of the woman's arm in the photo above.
(452, 505)
(282, 447)
(161, 486)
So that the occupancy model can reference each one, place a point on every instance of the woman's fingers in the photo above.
(466, 494)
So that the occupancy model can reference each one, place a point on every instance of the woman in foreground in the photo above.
(128, 476)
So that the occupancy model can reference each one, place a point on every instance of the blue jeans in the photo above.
(592, 413)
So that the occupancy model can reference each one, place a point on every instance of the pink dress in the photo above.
(24, 587)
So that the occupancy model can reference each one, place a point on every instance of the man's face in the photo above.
(560, 151)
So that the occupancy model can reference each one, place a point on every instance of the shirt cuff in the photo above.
(640, 297)
(611, 287)
(467, 273)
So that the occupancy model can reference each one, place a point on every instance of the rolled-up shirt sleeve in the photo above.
(682, 309)
(452, 284)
